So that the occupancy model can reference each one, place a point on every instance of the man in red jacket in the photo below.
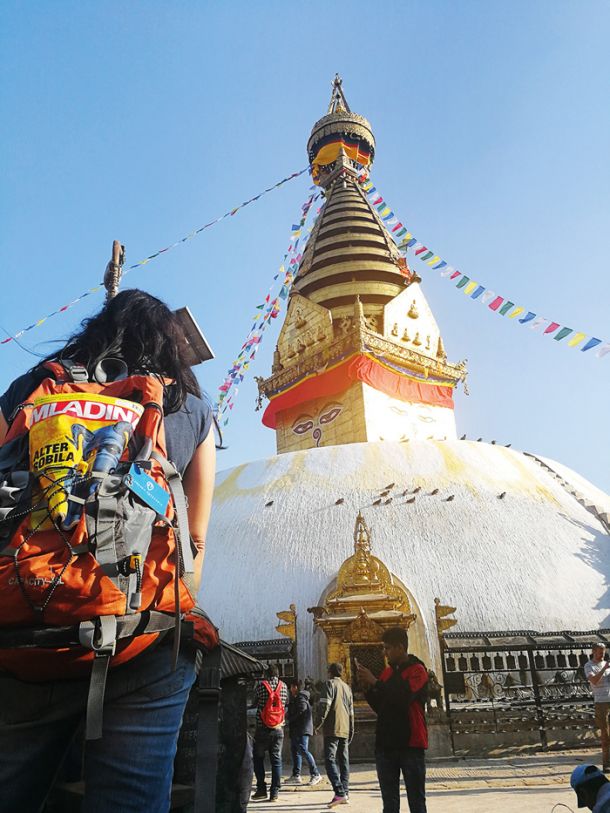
(398, 698)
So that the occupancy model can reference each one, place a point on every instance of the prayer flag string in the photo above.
(266, 311)
(148, 259)
(501, 305)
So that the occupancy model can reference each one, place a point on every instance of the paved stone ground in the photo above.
(528, 784)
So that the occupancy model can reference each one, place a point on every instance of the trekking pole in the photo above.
(114, 270)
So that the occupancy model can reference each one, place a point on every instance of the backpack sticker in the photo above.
(73, 437)
(146, 489)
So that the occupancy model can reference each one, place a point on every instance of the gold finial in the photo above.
(362, 535)
(440, 350)
(338, 102)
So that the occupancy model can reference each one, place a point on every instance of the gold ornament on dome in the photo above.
(365, 574)
(417, 340)
(366, 601)
(413, 313)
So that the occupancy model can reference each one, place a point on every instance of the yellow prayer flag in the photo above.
(516, 312)
(576, 339)
(436, 259)
(468, 289)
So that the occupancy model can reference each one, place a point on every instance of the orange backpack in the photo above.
(93, 531)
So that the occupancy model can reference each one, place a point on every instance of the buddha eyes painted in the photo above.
(302, 426)
(305, 423)
(329, 416)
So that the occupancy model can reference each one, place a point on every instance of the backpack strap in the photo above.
(174, 481)
(206, 754)
(101, 637)
(184, 554)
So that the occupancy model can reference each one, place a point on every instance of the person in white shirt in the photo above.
(597, 672)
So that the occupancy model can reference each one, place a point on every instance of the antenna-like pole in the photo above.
(114, 270)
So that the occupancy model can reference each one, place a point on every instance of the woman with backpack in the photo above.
(135, 425)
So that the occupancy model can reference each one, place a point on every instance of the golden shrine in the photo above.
(364, 600)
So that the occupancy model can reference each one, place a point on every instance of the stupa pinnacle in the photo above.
(360, 356)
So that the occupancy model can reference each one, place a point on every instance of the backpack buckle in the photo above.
(99, 635)
(77, 372)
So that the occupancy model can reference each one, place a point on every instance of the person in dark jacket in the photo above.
(398, 696)
(591, 787)
(300, 725)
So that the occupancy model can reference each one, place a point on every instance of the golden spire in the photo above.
(338, 102)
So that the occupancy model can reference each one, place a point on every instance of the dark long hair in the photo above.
(142, 331)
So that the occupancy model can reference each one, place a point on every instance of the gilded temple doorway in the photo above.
(364, 600)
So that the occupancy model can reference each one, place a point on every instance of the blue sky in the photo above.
(143, 120)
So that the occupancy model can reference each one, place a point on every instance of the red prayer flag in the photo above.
(496, 303)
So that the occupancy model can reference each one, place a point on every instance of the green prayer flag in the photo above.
(565, 331)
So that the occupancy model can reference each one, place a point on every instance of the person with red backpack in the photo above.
(271, 701)
(398, 697)
(99, 444)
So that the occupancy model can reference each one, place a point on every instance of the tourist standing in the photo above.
(300, 725)
(597, 672)
(336, 719)
(131, 766)
(591, 787)
(398, 697)
(271, 702)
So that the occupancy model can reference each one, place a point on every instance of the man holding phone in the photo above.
(597, 672)
(398, 696)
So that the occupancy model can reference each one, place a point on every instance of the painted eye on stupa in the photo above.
(302, 426)
(329, 416)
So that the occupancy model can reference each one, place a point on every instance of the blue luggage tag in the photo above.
(146, 489)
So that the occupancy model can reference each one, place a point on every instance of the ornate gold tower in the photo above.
(360, 356)
(364, 601)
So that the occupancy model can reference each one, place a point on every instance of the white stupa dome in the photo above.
(535, 558)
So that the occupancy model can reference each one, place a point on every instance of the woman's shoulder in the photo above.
(194, 403)
(20, 389)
